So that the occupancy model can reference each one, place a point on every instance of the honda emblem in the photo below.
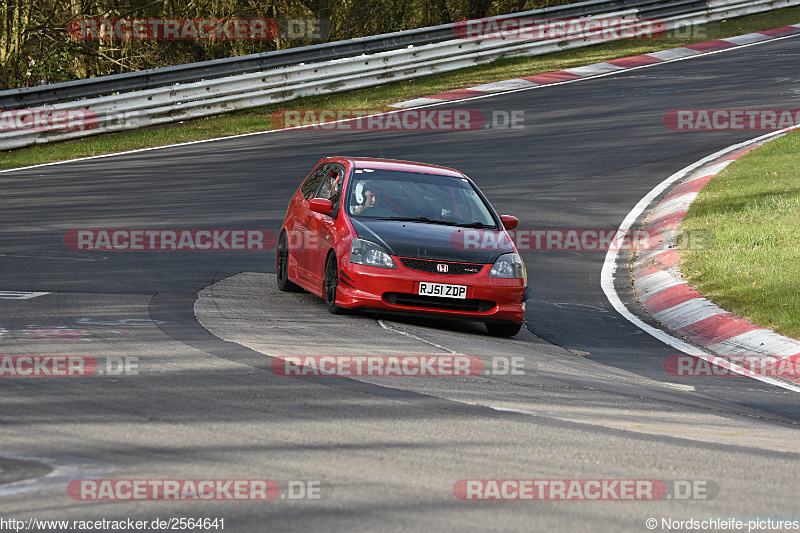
(441, 267)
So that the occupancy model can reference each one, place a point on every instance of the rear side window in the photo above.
(312, 182)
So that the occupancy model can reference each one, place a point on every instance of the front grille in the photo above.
(435, 302)
(453, 269)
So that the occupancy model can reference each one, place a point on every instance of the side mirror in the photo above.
(322, 205)
(508, 221)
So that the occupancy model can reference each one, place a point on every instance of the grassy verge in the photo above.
(752, 208)
(258, 119)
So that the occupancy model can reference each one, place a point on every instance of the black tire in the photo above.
(503, 329)
(331, 284)
(282, 267)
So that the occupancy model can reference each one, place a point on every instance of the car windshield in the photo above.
(416, 197)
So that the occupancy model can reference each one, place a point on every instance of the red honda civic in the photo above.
(402, 237)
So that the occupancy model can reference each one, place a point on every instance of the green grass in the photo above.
(753, 209)
(258, 119)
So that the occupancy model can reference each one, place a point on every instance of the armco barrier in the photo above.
(159, 77)
(195, 99)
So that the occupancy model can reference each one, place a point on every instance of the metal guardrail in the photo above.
(164, 104)
(28, 97)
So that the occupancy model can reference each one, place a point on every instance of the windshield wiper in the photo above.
(420, 219)
(479, 225)
(476, 224)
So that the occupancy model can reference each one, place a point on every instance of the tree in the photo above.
(35, 43)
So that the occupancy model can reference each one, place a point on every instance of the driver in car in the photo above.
(372, 199)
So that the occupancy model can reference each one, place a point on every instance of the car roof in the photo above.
(405, 166)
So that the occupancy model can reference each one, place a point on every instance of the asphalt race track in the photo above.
(594, 401)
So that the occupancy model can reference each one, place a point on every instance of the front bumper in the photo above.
(396, 290)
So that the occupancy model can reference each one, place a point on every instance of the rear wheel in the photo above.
(331, 284)
(503, 329)
(282, 267)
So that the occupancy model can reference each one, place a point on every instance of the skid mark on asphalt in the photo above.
(63, 469)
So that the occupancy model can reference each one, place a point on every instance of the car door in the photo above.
(301, 237)
(322, 227)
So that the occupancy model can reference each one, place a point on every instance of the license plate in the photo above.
(442, 289)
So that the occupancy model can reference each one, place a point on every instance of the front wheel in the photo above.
(331, 284)
(503, 329)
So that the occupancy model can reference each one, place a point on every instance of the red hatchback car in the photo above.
(402, 237)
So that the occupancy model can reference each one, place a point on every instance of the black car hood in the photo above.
(431, 241)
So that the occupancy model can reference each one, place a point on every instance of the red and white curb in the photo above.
(700, 328)
(679, 306)
(601, 69)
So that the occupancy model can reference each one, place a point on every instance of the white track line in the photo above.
(382, 324)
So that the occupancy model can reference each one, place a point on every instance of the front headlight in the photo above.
(509, 266)
(368, 253)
